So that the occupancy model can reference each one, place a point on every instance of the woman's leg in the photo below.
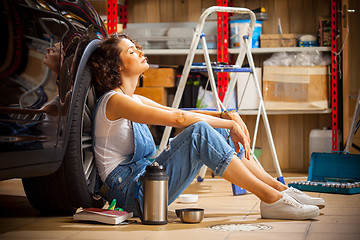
(254, 167)
(195, 146)
(238, 174)
(260, 173)
(200, 144)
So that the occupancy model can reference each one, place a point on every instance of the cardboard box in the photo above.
(296, 88)
(157, 94)
(159, 77)
(278, 40)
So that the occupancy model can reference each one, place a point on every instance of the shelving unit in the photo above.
(279, 112)
(173, 52)
(235, 51)
(291, 128)
(286, 49)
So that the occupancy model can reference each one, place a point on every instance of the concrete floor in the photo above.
(340, 219)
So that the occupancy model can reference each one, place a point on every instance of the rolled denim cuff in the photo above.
(241, 152)
(224, 163)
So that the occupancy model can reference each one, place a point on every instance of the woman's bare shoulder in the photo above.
(118, 104)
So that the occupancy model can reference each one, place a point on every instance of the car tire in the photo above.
(72, 185)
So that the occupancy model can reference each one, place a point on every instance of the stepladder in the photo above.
(213, 68)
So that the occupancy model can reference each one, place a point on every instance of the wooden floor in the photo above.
(340, 219)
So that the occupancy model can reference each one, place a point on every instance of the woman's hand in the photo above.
(237, 135)
(236, 117)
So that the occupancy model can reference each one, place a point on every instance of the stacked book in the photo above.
(102, 215)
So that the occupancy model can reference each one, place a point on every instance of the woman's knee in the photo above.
(202, 126)
(224, 132)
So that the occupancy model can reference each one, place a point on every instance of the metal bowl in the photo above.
(190, 215)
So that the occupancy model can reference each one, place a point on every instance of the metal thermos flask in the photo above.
(155, 205)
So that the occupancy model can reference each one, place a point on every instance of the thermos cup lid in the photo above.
(156, 172)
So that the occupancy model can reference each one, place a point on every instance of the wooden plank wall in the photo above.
(291, 138)
(354, 59)
(150, 11)
(290, 132)
(297, 16)
(354, 52)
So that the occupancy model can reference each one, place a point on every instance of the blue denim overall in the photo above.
(198, 144)
(195, 146)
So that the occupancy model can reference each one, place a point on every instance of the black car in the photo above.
(46, 101)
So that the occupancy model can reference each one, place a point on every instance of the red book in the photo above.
(102, 215)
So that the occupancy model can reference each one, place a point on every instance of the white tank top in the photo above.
(114, 140)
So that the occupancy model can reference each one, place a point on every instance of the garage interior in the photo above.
(298, 130)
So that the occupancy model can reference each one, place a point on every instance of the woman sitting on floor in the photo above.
(123, 142)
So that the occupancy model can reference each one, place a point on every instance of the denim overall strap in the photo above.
(121, 182)
(144, 142)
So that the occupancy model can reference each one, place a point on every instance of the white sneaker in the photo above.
(288, 208)
(304, 198)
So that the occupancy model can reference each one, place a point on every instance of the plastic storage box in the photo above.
(239, 28)
(296, 88)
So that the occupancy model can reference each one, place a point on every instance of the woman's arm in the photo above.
(229, 115)
(236, 117)
(150, 102)
(149, 112)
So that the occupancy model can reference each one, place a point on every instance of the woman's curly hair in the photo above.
(105, 64)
